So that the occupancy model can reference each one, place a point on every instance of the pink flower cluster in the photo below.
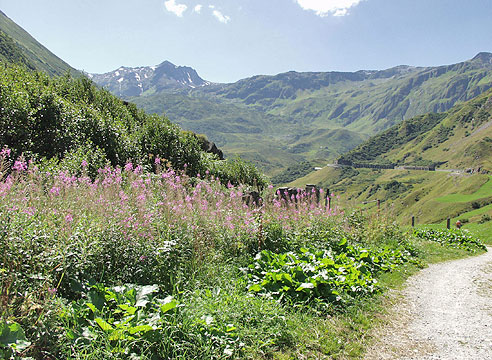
(145, 206)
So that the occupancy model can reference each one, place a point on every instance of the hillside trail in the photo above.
(444, 312)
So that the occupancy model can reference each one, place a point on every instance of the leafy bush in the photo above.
(234, 171)
(484, 219)
(333, 276)
(12, 340)
(456, 238)
(58, 118)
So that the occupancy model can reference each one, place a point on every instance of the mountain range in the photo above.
(128, 82)
(292, 117)
(281, 120)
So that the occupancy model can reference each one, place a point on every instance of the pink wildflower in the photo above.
(69, 218)
(157, 161)
(5, 152)
(19, 166)
(84, 164)
(129, 167)
(52, 291)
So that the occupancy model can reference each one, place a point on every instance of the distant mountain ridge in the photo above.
(128, 82)
(286, 118)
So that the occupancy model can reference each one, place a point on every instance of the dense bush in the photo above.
(331, 276)
(55, 118)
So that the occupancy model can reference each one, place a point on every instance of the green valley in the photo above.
(457, 141)
(292, 116)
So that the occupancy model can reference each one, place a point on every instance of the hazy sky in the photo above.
(226, 40)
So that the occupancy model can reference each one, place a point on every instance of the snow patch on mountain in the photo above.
(127, 82)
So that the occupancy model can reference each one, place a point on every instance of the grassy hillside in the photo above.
(11, 53)
(291, 117)
(460, 139)
(265, 139)
(35, 54)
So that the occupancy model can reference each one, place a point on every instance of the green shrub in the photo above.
(456, 238)
(54, 118)
(332, 276)
(484, 219)
(132, 322)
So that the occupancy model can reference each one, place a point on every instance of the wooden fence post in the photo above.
(448, 224)
(413, 221)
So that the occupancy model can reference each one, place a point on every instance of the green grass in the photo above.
(484, 192)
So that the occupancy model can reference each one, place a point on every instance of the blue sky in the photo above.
(226, 40)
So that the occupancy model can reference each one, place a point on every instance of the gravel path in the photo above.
(445, 312)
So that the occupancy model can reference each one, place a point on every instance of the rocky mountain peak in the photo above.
(128, 82)
(484, 57)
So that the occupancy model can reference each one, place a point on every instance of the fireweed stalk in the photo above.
(141, 205)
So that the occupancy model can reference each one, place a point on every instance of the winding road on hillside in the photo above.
(445, 312)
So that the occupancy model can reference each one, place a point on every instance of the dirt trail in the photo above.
(445, 312)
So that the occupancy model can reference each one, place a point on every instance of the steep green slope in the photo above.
(460, 141)
(35, 54)
(10, 52)
(291, 116)
(459, 138)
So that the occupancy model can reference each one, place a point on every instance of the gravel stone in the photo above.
(444, 312)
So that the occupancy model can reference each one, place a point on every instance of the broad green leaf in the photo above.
(96, 299)
(255, 288)
(92, 307)
(12, 335)
(168, 304)
(103, 324)
(305, 286)
(130, 310)
(140, 328)
(143, 294)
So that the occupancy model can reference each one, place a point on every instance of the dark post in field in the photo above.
(379, 204)
(448, 224)
(413, 221)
